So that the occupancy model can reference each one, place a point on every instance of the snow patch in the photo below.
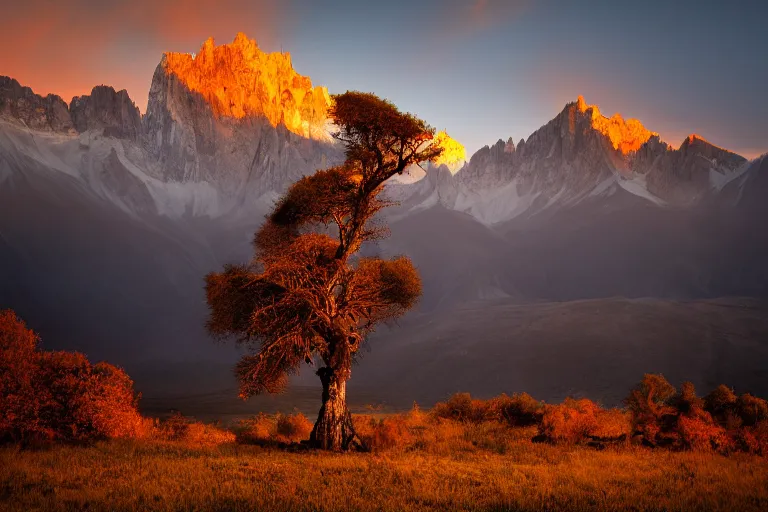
(638, 187)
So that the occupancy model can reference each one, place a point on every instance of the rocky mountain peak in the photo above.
(111, 111)
(21, 105)
(626, 136)
(239, 80)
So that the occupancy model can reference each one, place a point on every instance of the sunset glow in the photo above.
(626, 136)
(252, 83)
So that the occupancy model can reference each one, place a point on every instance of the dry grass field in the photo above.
(448, 466)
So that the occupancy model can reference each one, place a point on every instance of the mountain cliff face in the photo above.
(226, 131)
(239, 80)
(579, 155)
(20, 104)
(237, 119)
(105, 109)
(686, 175)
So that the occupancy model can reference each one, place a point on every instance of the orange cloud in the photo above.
(66, 48)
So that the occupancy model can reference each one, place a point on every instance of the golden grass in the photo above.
(447, 466)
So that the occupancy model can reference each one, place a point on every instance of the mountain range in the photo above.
(566, 263)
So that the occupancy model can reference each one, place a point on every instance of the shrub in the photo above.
(174, 428)
(462, 407)
(699, 432)
(577, 421)
(753, 439)
(570, 422)
(255, 430)
(19, 400)
(206, 434)
(292, 428)
(720, 402)
(751, 409)
(387, 433)
(695, 428)
(686, 401)
(520, 410)
(653, 416)
(179, 428)
(83, 401)
(280, 428)
(60, 395)
(611, 425)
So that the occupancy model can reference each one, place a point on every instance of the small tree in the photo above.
(650, 405)
(307, 294)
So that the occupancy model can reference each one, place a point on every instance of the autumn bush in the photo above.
(653, 415)
(281, 428)
(255, 430)
(292, 428)
(462, 407)
(57, 395)
(390, 432)
(721, 421)
(579, 421)
(518, 410)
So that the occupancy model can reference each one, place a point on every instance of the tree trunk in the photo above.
(333, 429)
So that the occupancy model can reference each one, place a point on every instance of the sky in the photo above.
(481, 69)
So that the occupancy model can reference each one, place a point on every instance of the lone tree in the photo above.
(307, 294)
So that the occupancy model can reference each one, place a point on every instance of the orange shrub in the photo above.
(462, 407)
(385, 434)
(520, 410)
(720, 402)
(255, 430)
(752, 409)
(179, 428)
(699, 432)
(611, 425)
(173, 428)
(651, 409)
(280, 428)
(573, 421)
(19, 400)
(60, 395)
(208, 435)
(292, 428)
(754, 439)
(576, 421)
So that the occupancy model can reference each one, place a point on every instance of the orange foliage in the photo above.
(462, 407)
(255, 430)
(60, 395)
(281, 428)
(699, 432)
(569, 422)
(577, 421)
(292, 428)
(519, 410)
(384, 434)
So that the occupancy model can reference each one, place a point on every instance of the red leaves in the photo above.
(60, 395)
